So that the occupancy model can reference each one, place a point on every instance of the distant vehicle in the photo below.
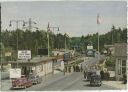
(90, 53)
(67, 56)
(35, 79)
(95, 80)
(89, 73)
(22, 82)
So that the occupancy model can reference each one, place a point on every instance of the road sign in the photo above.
(24, 54)
(15, 73)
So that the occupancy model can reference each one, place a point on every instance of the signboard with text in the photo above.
(24, 54)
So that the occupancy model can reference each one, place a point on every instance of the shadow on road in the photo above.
(88, 85)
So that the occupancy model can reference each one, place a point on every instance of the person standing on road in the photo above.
(81, 68)
(102, 74)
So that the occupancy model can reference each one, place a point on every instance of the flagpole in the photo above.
(98, 23)
(98, 39)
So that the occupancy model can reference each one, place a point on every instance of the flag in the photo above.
(98, 19)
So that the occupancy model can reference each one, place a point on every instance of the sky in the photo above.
(75, 18)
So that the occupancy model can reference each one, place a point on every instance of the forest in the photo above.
(32, 40)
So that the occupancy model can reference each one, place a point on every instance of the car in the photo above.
(89, 73)
(95, 80)
(35, 79)
(22, 82)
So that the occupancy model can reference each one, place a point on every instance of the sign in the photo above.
(8, 54)
(15, 73)
(24, 54)
(43, 51)
(89, 47)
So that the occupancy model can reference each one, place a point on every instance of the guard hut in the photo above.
(38, 65)
(121, 58)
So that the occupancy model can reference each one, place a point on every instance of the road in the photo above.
(70, 81)
(74, 81)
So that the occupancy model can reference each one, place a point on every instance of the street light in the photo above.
(17, 25)
(29, 22)
(48, 30)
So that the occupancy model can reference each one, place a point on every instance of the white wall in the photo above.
(44, 68)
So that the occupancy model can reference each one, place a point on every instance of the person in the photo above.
(102, 74)
(81, 68)
(74, 68)
(85, 74)
(124, 78)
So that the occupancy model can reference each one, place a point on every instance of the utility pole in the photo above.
(0, 47)
(65, 44)
(48, 29)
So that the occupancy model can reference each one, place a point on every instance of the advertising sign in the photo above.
(15, 73)
(24, 54)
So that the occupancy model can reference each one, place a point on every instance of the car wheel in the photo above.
(25, 87)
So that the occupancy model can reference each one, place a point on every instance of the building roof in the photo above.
(120, 49)
(36, 60)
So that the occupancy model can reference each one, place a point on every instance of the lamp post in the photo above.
(48, 30)
(30, 22)
(17, 27)
(65, 41)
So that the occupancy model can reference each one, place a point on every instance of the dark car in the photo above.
(89, 73)
(35, 79)
(95, 80)
(22, 82)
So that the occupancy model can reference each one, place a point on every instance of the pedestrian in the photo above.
(81, 68)
(102, 74)
(74, 69)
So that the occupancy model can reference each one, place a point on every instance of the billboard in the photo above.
(43, 51)
(24, 54)
(15, 73)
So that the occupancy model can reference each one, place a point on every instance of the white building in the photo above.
(121, 58)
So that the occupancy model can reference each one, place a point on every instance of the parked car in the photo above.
(35, 79)
(22, 82)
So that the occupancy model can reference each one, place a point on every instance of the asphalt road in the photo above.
(74, 81)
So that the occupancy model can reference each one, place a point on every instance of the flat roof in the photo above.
(37, 60)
